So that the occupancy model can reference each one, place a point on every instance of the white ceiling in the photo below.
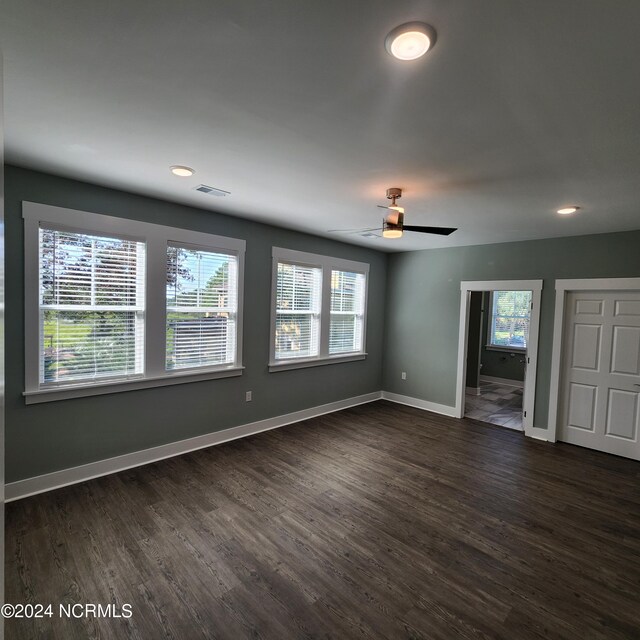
(295, 107)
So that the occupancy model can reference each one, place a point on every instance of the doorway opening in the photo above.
(497, 340)
(497, 352)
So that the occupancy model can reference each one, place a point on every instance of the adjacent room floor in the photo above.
(381, 521)
(497, 403)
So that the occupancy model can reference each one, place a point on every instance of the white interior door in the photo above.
(600, 382)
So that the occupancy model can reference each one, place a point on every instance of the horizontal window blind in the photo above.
(92, 304)
(202, 306)
(347, 312)
(510, 314)
(298, 300)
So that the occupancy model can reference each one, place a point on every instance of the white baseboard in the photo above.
(473, 391)
(434, 407)
(57, 479)
(507, 381)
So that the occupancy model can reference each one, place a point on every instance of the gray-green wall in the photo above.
(502, 364)
(56, 435)
(423, 303)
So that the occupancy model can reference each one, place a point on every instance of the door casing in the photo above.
(535, 286)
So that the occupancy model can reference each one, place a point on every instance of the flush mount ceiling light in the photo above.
(410, 41)
(182, 171)
(566, 211)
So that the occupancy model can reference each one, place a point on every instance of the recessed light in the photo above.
(566, 211)
(410, 41)
(183, 172)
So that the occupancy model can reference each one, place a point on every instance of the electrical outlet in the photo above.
(404, 375)
(247, 396)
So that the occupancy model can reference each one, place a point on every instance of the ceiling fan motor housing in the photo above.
(393, 193)
(387, 224)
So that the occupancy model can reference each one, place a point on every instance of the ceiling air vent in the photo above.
(212, 191)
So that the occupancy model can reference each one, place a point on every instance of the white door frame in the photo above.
(563, 287)
(528, 401)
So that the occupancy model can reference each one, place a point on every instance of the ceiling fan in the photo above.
(393, 225)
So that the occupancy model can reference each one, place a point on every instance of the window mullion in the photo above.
(325, 312)
(155, 329)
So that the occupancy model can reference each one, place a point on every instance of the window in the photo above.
(347, 311)
(318, 309)
(201, 307)
(114, 304)
(509, 320)
(92, 306)
(297, 311)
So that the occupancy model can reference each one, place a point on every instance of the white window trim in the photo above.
(489, 346)
(156, 237)
(327, 264)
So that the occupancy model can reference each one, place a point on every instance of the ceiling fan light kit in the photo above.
(391, 232)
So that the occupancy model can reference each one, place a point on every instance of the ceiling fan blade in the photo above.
(382, 206)
(353, 230)
(440, 231)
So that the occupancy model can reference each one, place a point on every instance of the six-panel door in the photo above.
(600, 383)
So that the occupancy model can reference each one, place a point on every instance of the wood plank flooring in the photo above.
(381, 521)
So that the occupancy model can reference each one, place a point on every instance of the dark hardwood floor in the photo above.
(381, 521)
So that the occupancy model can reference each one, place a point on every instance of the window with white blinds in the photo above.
(509, 321)
(113, 304)
(92, 307)
(202, 304)
(297, 311)
(318, 309)
(347, 311)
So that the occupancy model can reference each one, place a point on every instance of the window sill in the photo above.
(83, 390)
(287, 365)
(493, 347)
